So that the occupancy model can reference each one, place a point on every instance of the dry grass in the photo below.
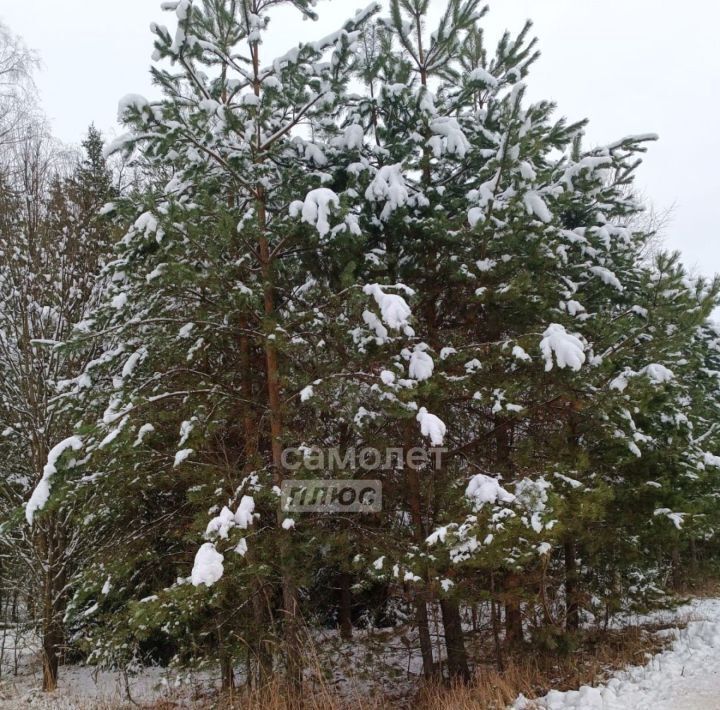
(531, 673)
(274, 696)
(534, 675)
(707, 588)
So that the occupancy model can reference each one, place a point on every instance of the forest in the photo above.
(370, 259)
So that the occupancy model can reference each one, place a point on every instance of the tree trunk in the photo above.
(572, 609)
(454, 641)
(677, 577)
(51, 643)
(415, 504)
(260, 645)
(426, 651)
(513, 611)
(52, 631)
(345, 612)
(227, 673)
(266, 259)
(495, 621)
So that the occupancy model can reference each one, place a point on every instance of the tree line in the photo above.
(374, 240)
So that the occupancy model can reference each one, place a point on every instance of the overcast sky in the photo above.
(630, 66)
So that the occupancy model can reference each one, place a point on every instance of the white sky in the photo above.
(631, 66)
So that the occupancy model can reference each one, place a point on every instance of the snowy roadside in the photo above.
(685, 677)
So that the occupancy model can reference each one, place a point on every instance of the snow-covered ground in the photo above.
(684, 677)
(81, 688)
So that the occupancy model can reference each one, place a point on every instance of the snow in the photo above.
(658, 374)
(520, 354)
(144, 430)
(484, 489)
(431, 427)
(131, 102)
(388, 186)
(675, 518)
(387, 377)
(453, 139)
(307, 393)
(221, 525)
(421, 365)
(41, 494)
(393, 308)
(133, 361)
(354, 137)
(486, 264)
(119, 302)
(316, 208)
(483, 76)
(607, 277)
(684, 677)
(208, 567)
(186, 330)
(181, 456)
(475, 216)
(568, 349)
(244, 515)
(536, 205)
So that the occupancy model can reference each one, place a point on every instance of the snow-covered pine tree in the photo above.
(211, 296)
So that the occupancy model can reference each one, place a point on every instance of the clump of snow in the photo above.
(484, 489)
(245, 513)
(41, 494)
(607, 277)
(449, 138)
(388, 186)
(353, 137)
(536, 206)
(143, 431)
(431, 427)
(316, 208)
(483, 76)
(676, 519)
(208, 568)
(658, 374)
(182, 455)
(387, 377)
(421, 365)
(131, 102)
(393, 308)
(520, 354)
(221, 525)
(133, 361)
(568, 349)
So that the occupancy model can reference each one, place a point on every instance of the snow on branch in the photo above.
(208, 567)
(568, 349)
(484, 489)
(431, 427)
(41, 494)
(394, 309)
(315, 210)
